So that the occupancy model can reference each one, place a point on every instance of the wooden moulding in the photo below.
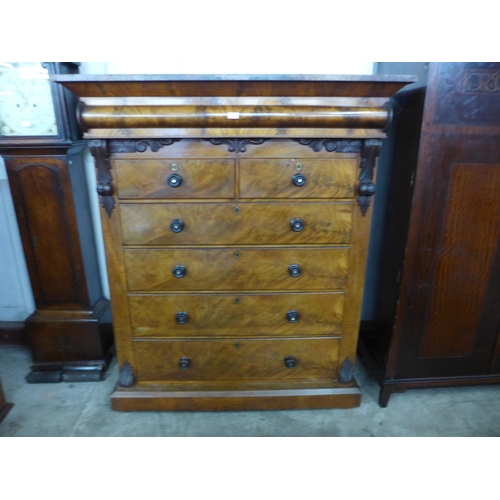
(239, 399)
(159, 106)
(105, 117)
(234, 85)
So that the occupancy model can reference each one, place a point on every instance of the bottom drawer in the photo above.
(236, 359)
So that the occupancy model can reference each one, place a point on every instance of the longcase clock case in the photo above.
(69, 334)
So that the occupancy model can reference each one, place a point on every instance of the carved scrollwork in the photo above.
(99, 150)
(139, 146)
(467, 94)
(126, 377)
(238, 145)
(481, 80)
(346, 374)
(366, 187)
(330, 145)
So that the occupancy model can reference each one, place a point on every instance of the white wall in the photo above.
(96, 219)
(16, 297)
(272, 64)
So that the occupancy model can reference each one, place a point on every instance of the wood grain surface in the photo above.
(236, 223)
(465, 253)
(236, 269)
(233, 85)
(236, 398)
(237, 359)
(200, 116)
(43, 182)
(250, 315)
(200, 178)
(272, 178)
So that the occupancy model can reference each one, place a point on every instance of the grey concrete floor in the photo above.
(83, 409)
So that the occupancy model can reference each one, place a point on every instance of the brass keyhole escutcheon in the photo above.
(298, 166)
(237, 254)
(237, 210)
(174, 167)
(237, 300)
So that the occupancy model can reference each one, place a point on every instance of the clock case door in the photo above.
(70, 333)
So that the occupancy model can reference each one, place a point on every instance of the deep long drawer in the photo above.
(247, 269)
(236, 359)
(233, 223)
(248, 315)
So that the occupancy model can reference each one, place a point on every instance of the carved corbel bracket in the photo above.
(99, 150)
(346, 374)
(366, 186)
(126, 377)
(238, 145)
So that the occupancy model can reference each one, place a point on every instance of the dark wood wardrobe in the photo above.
(436, 276)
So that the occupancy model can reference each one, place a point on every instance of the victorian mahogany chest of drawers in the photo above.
(236, 214)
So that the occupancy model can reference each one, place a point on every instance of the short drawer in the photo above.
(256, 315)
(237, 269)
(275, 178)
(175, 179)
(236, 359)
(228, 223)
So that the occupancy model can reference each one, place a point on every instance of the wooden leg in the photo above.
(385, 394)
(4, 406)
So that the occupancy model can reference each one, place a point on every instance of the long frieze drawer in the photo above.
(244, 223)
(286, 315)
(275, 178)
(175, 179)
(236, 269)
(236, 359)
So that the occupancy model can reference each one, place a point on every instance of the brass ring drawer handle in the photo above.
(176, 226)
(296, 225)
(174, 180)
(184, 363)
(294, 270)
(292, 316)
(299, 179)
(290, 362)
(179, 271)
(181, 318)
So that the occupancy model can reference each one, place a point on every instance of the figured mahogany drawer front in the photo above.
(236, 269)
(291, 314)
(275, 178)
(175, 179)
(236, 359)
(236, 224)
